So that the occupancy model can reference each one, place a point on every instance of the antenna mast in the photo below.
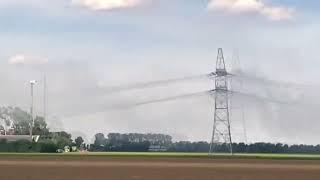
(32, 83)
(45, 98)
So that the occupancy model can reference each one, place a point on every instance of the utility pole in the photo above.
(5, 125)
(32, 83)
(221, 133)
(45, 98)
(4, 118)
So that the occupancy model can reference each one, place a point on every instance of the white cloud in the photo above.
(21, 59)
(252, 6)
(106, 4)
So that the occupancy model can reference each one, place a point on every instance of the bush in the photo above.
(48, 147)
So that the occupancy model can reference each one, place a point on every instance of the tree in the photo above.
(79, 141)
(20, 121)
(100, 140)
(40, 126)
(61, 139)
(2, 130)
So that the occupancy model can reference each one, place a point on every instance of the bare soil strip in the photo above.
(92, 168)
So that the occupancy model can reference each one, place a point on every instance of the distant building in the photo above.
(13, 138)
(157, 148)
(66, 149)
(74, 148)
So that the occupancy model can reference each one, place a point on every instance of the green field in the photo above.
(174, 155)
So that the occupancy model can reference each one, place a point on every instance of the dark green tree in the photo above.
(100, 140)
(40, 126)
(61, 139)
(79, 141)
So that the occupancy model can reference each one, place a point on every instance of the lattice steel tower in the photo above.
(221, 133)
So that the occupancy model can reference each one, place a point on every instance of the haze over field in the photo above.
(95, 52)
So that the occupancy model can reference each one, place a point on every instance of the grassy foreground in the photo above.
(172, 155)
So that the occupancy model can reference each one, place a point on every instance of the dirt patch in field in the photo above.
(98, 168)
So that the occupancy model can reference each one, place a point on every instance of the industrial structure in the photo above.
(32, 83)
(221, 133)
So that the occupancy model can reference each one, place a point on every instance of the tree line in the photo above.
(259, 147)
(129, 142)
(15, 121)
(134, 142)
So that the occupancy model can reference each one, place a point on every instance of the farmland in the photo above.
(158, 166)
(169, 155)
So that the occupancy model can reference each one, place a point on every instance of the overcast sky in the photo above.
(87, 46)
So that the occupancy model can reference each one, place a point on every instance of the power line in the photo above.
(152, 84)
(237, 67)
(184, 96)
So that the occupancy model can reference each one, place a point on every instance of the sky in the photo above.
(87, 47)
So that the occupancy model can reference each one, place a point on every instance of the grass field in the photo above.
(175, 155)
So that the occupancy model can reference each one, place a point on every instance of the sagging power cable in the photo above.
(152, 84)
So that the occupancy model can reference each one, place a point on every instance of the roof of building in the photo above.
(12, 138)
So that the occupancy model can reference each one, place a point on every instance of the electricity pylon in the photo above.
(236, 69)
(221, 133)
